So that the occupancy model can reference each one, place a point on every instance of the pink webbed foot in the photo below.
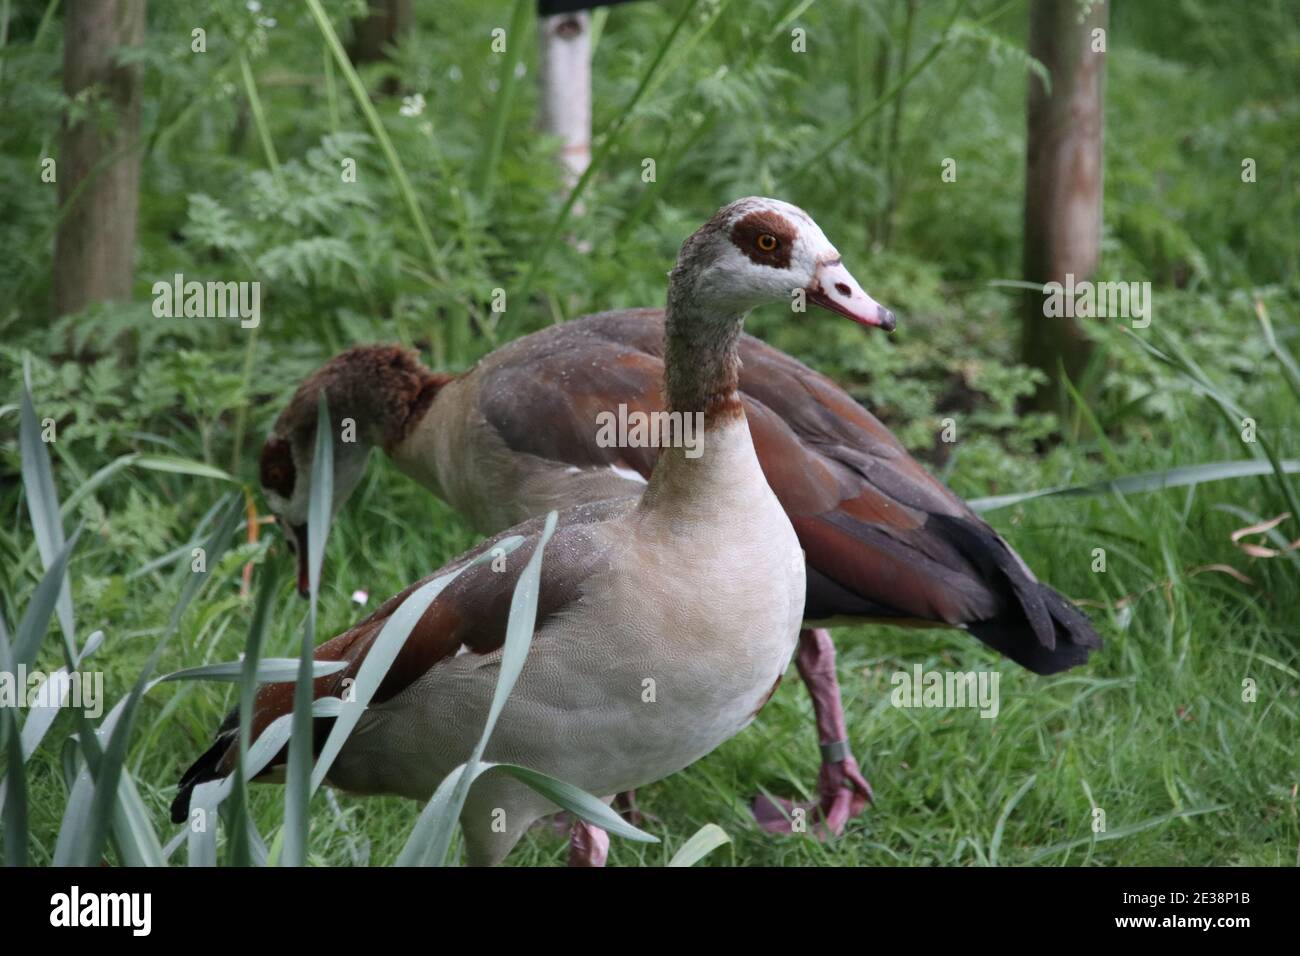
(844, 791)
(588, 844)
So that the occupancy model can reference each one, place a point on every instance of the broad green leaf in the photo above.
(519, 637)
(392, 636)
(14, 792)
(182, 466)
(270, 670)
(110, 765)
(245, 842)
(202, 825)
(133, 830)
(430, 838)
(1147, 481)
(705, 840)
(41, 607)
(576, 801)
(43, 499)
(297, 795)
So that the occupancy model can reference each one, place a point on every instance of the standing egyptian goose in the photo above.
(697, 584)
(518, 434)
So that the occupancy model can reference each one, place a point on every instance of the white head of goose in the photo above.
(697, 585)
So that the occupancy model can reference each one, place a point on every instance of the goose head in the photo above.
(756, 251)
(374, 393)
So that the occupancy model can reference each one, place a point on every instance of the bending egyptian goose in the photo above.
(697, 583)
(518, 434)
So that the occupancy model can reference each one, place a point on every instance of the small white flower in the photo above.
(253, 6)
(412, 105)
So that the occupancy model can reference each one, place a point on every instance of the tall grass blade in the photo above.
(109, 769)
(395, 166)
(578, 802)
(74, 830)
(438, 818)
(133, 833)
(259, 118)
(245, 842)
(1007, 809)
(384, 651)
(1284, 357)
(15, 783)
(507, 83)
(865, 115)
(175, 465)
(1119, 833)
(430, 838)
(202, 840)
(1146, 481)
(298, 773)
(43, 500)
(271, 670)
(1174, 356)
(40, 719)
(36, 619)
(436, 841)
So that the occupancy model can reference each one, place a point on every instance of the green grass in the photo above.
(1153, 731)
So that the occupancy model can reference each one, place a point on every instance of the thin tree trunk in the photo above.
(94, 250)
(564, 79)
(380, 29)
(372, 35)
(1063, 183)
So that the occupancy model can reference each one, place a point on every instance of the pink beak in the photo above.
(834, 288)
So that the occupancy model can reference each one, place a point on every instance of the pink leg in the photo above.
(844, 791)
(588, 845)
(625, 804)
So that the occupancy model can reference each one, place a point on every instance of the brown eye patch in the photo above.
(766, 237)
(277, 467)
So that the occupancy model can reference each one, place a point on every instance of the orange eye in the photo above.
(767, 242)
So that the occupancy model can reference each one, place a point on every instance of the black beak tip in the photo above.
(887, 321)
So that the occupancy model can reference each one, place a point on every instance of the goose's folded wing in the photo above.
(469, 616)
(884, 538)
(546, 394)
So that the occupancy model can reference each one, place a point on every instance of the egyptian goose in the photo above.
(697, 584)
(517, 435)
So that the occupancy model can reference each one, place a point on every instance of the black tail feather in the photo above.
(1073, 637)
(201, 771)
(1041, 630)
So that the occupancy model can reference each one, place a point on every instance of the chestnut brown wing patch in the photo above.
(471, 613)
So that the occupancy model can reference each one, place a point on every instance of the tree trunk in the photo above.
(385, 23)
(564, 78)
(1063, 183)
(99, 157)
